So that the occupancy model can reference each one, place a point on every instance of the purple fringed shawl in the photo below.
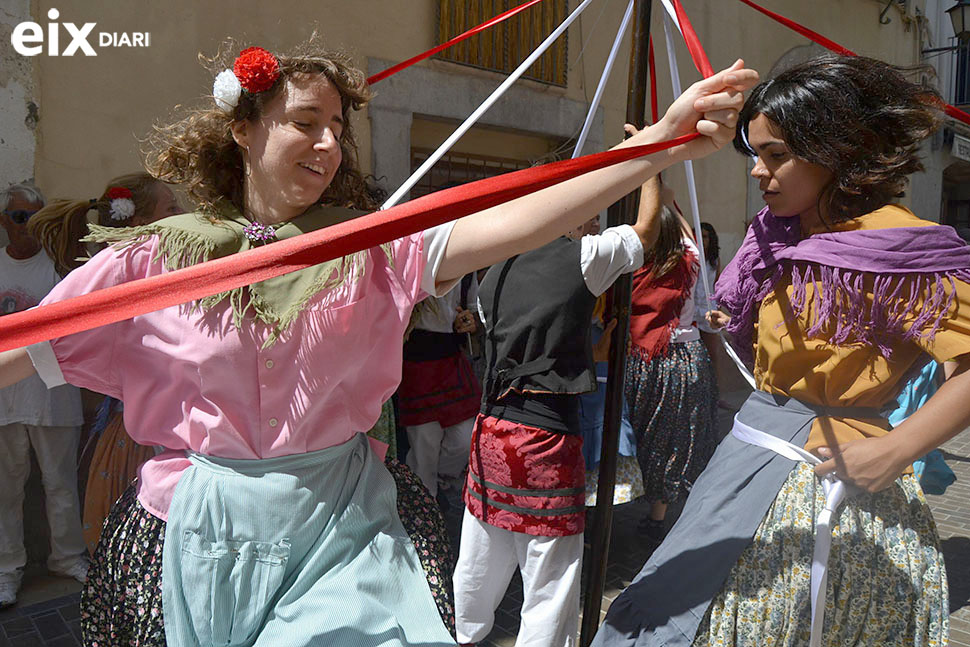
(839, 264)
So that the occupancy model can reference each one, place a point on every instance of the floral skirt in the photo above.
(628, 486)
(525, 479)
(672, 401)
(887, 583)
(121, 604)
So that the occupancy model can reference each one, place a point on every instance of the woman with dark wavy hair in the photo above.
(270, 519)
(808, 527)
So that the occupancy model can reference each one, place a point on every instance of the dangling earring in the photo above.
(246, 167)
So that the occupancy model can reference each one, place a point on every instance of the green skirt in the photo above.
(887, 582)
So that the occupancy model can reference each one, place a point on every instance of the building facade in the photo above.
(73, 122)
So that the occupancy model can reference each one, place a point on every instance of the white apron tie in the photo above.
(834, 495)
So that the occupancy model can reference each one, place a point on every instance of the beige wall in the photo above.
(94, 110)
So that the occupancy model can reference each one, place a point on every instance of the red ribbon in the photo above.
(128, 300)
(697, 53)
(380, 76)
(831, 45)
(804, 31)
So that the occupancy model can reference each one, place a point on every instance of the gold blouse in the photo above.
(817, 372)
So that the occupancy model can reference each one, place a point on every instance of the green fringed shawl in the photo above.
(193, 238)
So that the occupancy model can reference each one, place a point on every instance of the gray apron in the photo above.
(666, 602)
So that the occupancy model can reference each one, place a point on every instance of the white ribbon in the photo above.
(482, 109)
(670, 18)
(604, 77)
(834, 495)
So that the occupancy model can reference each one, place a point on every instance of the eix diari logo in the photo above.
(28, 38)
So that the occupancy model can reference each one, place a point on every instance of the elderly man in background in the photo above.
(33, 416)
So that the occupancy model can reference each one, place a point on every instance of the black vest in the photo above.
(537, 312)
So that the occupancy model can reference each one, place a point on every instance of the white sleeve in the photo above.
(435, 243)
(604, 257)
(42, 356)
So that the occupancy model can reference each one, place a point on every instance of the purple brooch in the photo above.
(257, 232)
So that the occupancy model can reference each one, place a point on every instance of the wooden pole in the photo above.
(622, 212)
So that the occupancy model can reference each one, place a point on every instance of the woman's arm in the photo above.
(874, 463)
(647, 225)
(710, 107)
(15, 365)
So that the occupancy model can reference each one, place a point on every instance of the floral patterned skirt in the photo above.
(672, 401)
(121, 604)
(887, 584)
(628, 486)
(525, 479)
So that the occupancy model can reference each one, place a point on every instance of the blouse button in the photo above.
(273, 422)
(269, 363)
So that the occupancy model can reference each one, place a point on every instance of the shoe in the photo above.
(9, 586)
(78, 570)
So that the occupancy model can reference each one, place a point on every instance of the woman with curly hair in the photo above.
(270, 518)
(836, 293)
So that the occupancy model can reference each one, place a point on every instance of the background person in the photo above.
(128, 200)
(439, 393)
(525, 493)
(31, 416)
(669, 387)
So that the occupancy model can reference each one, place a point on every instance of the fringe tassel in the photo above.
(842, 310)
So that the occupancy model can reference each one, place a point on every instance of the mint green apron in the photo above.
(299, 550)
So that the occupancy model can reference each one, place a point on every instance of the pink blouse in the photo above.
(193, 381)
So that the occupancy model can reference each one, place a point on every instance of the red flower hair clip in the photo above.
(256, 69)
(119, 192)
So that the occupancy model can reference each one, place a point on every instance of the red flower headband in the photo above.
(118, 192)
(256, 69)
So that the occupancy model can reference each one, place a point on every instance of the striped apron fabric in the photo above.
(299, 550)
(526, 479)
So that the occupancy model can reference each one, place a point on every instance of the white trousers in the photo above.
(551, 569)
(56, 449)
(437, 450)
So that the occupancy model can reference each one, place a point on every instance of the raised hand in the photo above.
(709, 107)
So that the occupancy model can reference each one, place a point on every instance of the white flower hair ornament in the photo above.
(120, 203)
(226, 90)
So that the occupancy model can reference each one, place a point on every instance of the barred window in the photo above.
(503, 47)
(458, 168)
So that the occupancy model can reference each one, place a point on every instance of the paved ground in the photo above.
(46, 617)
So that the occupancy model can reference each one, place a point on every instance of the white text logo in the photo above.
(28, 38)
